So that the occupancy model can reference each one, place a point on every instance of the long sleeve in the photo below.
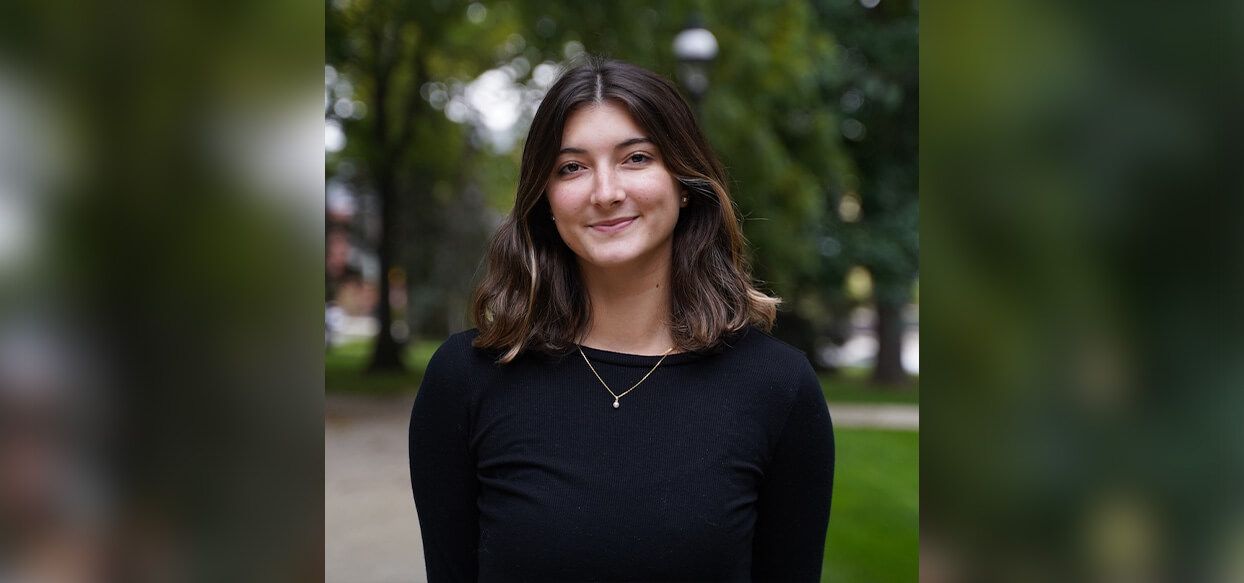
(793, 505)
(443, 466)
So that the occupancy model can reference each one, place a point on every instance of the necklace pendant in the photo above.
(616, 396)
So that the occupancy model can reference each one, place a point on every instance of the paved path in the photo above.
(864, 415)
(371, 529)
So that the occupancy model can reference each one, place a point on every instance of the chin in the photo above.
(607, 257)
(609, 260)
(619, 258)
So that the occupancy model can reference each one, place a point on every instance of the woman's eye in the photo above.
(638, 158)
(570, 168)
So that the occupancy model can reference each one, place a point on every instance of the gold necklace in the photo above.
(623, 394)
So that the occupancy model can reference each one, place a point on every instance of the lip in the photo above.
(613, 225)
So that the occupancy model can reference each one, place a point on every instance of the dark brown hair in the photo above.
(533, 297)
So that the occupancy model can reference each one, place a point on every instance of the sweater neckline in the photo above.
(643, 361)
(638, 360)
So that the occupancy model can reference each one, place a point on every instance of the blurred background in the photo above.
(167, 172)
(1084, 240)
(161, 180)
(812, 106)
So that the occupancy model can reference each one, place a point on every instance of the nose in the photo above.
(608, 190)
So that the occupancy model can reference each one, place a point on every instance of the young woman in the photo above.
(619, 414)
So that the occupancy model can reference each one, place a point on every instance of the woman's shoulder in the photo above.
(753, 343)
(460, 341)
(778, 376)
(456, 366)
(458, 351)
(786, 368)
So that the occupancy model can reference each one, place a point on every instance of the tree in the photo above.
(876, 88)
(389, 51)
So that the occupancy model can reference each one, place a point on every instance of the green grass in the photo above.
(345, 366)
(874, 524)
(851, 385)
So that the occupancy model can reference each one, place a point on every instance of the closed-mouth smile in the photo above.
(613, 225)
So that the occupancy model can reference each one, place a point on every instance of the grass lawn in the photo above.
(851, 385)
(344, 368)
(874, 523)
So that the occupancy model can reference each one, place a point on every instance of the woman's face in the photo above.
(613, 201)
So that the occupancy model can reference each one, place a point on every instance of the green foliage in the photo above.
(775, 112)
(765, 114)
(405, 150)
(874, 524)
(876, 84)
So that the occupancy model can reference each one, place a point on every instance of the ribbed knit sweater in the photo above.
(718, 467)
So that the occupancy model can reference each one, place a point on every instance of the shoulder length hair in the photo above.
(533, 297)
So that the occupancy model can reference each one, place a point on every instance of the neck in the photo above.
(630, 309)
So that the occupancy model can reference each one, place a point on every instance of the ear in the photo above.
(686, 198)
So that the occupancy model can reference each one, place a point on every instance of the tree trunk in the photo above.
(888, 369)
(387, 353)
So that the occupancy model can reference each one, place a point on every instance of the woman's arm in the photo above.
(793, 507)
(442, 466)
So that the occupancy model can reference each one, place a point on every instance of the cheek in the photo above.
(562, 213)
(563, 200)
(566, 237)
(655, 190)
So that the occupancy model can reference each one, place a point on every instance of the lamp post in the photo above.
(695, 47)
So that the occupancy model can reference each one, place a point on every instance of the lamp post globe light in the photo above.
(695, 48)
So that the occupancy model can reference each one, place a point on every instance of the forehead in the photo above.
(600, 123)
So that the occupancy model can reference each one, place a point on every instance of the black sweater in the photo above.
(718, 467)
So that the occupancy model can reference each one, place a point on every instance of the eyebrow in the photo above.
(624, 144)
